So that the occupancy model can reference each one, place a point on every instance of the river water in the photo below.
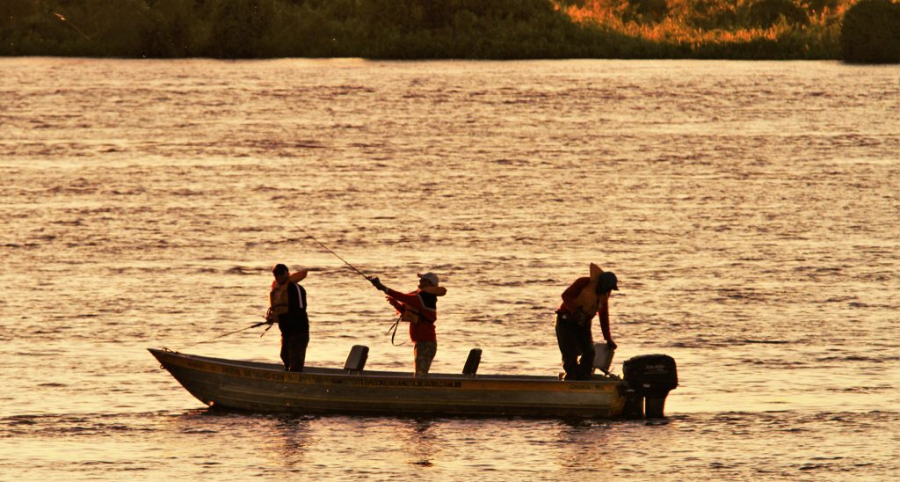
(749, 210)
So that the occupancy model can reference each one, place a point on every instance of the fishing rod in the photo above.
(255, 325)
(326, 248)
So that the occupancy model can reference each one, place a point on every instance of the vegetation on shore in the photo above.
(431, 29)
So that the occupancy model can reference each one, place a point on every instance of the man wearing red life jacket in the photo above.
(419, 308)
(581, 300)
(288, 308)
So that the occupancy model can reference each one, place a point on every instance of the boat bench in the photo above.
(356, 360)
(472, 362)
(359, 354)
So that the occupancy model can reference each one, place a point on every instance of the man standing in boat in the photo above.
(419, 308)
(288, 308)
(583, 298)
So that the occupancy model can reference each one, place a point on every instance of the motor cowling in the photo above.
(649, 377)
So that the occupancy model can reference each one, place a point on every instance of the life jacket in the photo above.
(588, 301)
(280, 298)
(427, 309)
(410, 314)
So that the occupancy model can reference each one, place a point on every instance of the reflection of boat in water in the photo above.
(266, 387)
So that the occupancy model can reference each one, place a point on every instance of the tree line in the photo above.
(865, 31)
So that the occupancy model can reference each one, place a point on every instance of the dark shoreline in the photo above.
(439, 30)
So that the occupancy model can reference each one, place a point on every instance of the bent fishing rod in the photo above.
(326, 248)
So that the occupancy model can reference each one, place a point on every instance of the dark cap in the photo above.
(608, 282)
(279, 269)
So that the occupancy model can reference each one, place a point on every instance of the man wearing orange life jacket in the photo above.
(581, 300)
(288, 308)
(419, 308)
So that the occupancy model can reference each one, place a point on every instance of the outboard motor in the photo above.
(650, 377)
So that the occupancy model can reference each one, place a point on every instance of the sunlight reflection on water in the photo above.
(752, 226)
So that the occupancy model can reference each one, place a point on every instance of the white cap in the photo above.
(431, 277)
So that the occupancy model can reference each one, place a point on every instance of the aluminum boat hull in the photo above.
(266, 387)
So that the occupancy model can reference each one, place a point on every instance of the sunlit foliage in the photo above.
(754, 29)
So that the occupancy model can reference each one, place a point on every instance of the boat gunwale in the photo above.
(376, 374)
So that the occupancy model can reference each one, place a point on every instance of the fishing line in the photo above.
(63, 20)
(393, 331)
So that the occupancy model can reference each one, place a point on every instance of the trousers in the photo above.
(424, 351)
(575, 340)
(293, 350)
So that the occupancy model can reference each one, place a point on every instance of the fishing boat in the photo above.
(267, 387)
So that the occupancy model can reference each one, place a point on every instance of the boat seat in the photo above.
(356, 360)
(603, 357)
(472, 362)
